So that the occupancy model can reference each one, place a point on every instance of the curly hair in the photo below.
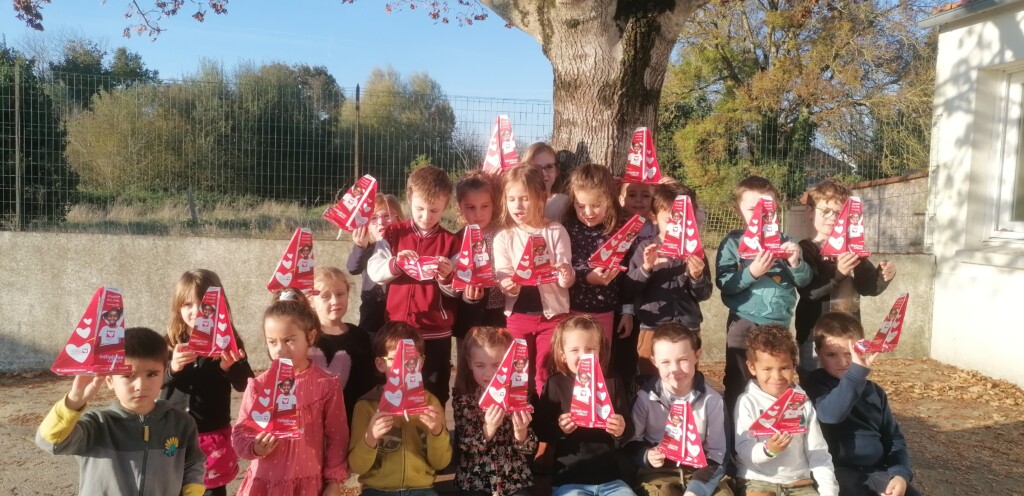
(826, 191)
(772, 339)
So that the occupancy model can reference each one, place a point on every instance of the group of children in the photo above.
(642, 325)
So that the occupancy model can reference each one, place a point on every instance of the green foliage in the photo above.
(783, 89)
(47, 185)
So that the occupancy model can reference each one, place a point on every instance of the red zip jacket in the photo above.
(426, 305)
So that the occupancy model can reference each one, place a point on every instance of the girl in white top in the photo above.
(533, 311)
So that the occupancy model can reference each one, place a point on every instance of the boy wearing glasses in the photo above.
(836, 284)
(393, 454)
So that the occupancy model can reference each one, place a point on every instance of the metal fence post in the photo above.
(355, 162)
(17, 145)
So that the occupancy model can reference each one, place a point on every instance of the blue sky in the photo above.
(348, 39)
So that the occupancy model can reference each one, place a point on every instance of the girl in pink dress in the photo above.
(317, 462)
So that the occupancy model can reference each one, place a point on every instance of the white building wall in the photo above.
(979, 285)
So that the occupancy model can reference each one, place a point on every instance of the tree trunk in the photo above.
(609, 60)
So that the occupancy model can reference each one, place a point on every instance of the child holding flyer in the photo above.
(428, 306)
(676, 355)
(782, 463)
(107, 443)
(495, 446)
(836, 284)
(316, 463)
(592, 220)
(757, 291)
(586, 461)
(202, 385)
(669, 289)
(476, 199)
(867, 446)
(533, 311)
(392, 454)
(387, 210)
(342, 349)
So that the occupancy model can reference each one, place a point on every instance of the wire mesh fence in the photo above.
(260, 153)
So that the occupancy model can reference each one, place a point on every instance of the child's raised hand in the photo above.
(616, 425)
(265, 444)
(564, 272)
(83, 388)
(379, 425)
(888, 270)
(778, 442)
(846, 262)
(521, 425)
(897, 487)
(761, 263)
(566, 424)
(865, 360)
(474, 293)
(695, 266)
(181, 357)
(229, 358)
(650, 257)
(406, 255)
(433, 418)
(601, 276)
(493, 417)
(361, 236)
(794, 253)
(444, 268)
(655, 457)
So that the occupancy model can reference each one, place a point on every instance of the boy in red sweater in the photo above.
(428, 306)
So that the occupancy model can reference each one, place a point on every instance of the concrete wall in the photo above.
(52, 276)
(979, 278)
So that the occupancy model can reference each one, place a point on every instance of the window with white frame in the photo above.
(1008, 214)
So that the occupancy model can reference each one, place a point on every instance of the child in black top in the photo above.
(202, 386)
(387, 210)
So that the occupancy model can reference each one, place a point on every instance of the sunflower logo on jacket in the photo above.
(171, 446)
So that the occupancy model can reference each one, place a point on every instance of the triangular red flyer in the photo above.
(848, 233)
(213, 333)
(681, 442)
(535, 267)
(96, 346)
(509, 388)
(785, 415)
(642, 161)
(295, 270)
(403, 390)
(762, 231)
(836, 244)
(591, 405)
(501, 149)
(355, 207)
(682, 238)
(276, 407)
(610, 254)
(420, 268)
(474, 266)
(888, 336)
(855, 227)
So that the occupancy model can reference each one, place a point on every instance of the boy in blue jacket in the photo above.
(867, 447)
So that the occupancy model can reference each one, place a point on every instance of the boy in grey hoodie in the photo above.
(139, 445)
(676, 353)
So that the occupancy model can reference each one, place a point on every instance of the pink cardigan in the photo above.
(508, 249)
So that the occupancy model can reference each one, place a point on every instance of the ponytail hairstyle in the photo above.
(190, 289)
(292, 304)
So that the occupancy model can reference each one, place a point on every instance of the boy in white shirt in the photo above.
(782, 463)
